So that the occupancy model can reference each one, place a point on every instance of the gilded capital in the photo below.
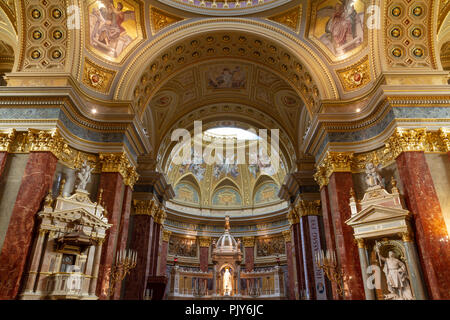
(160, 215)
(321, 176)
(6, 139)
(361, 243)
(48, 141)
(308, 208)
(287, 235)
(248, 241)
(118, 162)
(293, 217)
(444, 134)
(166, 235)
(407, 237)
(204, 242)
(404, 140)
(144, 207)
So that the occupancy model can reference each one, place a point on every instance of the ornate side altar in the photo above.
(387, 252)
(66, 252)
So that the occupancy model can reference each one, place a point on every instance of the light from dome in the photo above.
(227, 132)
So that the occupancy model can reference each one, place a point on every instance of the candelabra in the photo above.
(328, 263)
(125, 261)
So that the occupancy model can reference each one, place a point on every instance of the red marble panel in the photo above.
(123, 230)
(249, 258)
(291, 278)
(36, 182)
(3, 157)
(155, 249)
(307, 257)
(298, 258)
(329, 230)
(431, 234)
(204, 258)
(112, 185)
(141, 241)
(163, 258)
(346, 248)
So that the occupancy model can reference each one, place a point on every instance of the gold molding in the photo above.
(145, 207)
(160, 19)
(290, 18)
(355, 76)
(6, 140)
(96, 77)
(118, 162)
(48, 141)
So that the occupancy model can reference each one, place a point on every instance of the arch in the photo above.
(226, 194)
(265, 190)
(190, 188)
(327, 89)
(9, 43)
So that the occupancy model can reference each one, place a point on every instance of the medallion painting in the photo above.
(186, 193)
(226, 77)
(226, 197)
(114, 28)
(339, 25)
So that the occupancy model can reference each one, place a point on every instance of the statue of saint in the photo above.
(227, 223)
(227, 282)
(373, 177)
(397, 278)
(84, 176)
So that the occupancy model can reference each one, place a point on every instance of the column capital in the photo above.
(159, 215)
(361, 243)
(119, 163)
(145, 207)
(248, 242)
(6, 139)
(407, 236)
(308, 208)
(166, 235)
(444, 134)
(204, 241)
(48, 141)
(293, 217)
(404, 140)
(333, 162)
(287, 235)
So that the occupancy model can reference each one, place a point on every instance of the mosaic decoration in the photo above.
(186, 193)
(270, 246)
(183, 247)
(226, 197)
(339, 25)
(266, 193)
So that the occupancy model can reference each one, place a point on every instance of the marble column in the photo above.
(329, 231)
(3, 157)
(290, 264)
(95, 267)
(123, 232)
(296, 239)
(204, 243)
(364, 262)
(36, 182)
(308, 267)
(431, 234)
(36, 254)
(112, 185)
(164, 252)
(155, 248)
(141, 241)
(249, 248)
(415, 274)
(339, 190)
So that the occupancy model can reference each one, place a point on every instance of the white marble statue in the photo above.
(373, 177)
(396, 277)
(84, 176)
(227, 282)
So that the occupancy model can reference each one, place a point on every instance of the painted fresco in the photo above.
(113, 27)
(226, 197)
(266, 193)
(339, 25)
(182, 246)
(186, 193)
(226, 77)
(270, 246)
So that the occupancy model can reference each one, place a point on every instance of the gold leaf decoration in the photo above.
(97, 77)
(290, 18)
(161, 19)
(355, 76)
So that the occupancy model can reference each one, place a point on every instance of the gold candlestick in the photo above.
(328, 263)
(125, 262)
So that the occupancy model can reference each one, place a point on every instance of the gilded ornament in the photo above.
(161, 19)
(355, 76)
(417, 11)
(308, 208)
(48, 141)
(36, 14)
(6, 140)
(97, 77)
(144, 207)
(287, 235)
(290, 18)
(406, 140)
(248, 242)
(166, 235)
(360, 243)
(396, 11)
(204, 242)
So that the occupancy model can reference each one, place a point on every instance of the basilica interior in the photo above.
(318, 169)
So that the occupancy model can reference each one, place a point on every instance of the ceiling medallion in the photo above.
(356, 76)
(97, 77)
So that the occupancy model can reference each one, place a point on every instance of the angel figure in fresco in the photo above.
(344, 29)
(106, 29)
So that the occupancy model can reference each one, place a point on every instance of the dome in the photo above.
(226, 242)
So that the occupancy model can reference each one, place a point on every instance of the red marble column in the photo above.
(141, 241)
(296, 238)
(431, 234)
(204, 259)
(36, 182)
(3, 157)
(308, 267)
(164, 252)
(155, 248)
(112, 185)
(290, 266)
(346, 248)
(123, 231)
(329, 230)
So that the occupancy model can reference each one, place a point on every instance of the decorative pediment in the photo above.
(80, 215)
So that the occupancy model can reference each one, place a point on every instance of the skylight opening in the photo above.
(230, 132)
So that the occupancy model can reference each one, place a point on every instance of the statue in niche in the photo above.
(373, 177)
(84, 176)
(227, 282)
(396, 277)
